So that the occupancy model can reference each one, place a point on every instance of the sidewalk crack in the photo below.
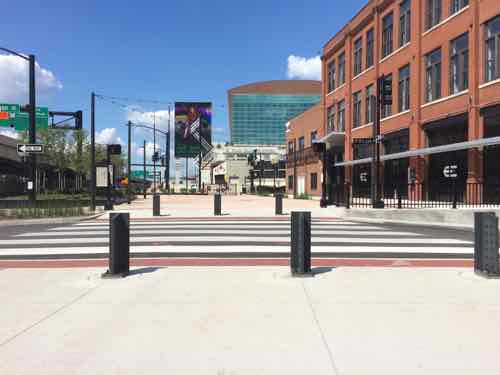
(50, 315)
(320, 329)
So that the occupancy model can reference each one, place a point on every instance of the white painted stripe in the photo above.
(221, 239)
(233, 249)
(315, 232)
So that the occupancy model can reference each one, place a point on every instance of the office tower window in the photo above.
(342, 69)
(356, 109)
(456, 5)
(433, 12)
(387, 110)
(404, 89)
(387, 24)
(301, 143)
(358, 55)
(330, 119)
(314, 136)
(369, 48)
(404, 22)
(459, 64)
(341, 116)
(492, 45)
(331, 76)
(370, 104)
(433, 75)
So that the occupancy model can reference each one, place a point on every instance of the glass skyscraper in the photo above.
(259, 112)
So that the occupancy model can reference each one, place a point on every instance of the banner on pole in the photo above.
(193, 128)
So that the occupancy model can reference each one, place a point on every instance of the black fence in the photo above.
(419, 196)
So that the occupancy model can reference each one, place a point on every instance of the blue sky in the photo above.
(165, 50)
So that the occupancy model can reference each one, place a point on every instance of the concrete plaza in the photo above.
(249, 320)
(232, 205)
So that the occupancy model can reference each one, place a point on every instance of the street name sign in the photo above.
(30, 148)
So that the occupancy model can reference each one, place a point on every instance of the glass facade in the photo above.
(259, 119)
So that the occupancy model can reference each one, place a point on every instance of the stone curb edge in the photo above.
(48, 221)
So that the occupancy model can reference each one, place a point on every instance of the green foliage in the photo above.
(303, 196)
(30, 213)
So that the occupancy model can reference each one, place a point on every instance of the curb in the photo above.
(48, 221)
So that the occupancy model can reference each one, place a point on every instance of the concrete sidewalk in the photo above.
(230, 320)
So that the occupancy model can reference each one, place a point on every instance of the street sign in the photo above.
(30, 148)
(12, 116)
(450, 171)
(363, 177)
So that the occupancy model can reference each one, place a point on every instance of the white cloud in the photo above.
(14, 79)
(108, 136)
(304, 68)
(10, 133)
(159, 118)
(139, 152)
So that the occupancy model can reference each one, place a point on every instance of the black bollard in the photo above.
(119, 245)
(156, 205)
(486, 244)
(278, 204)
(217, 204)
(300, 251)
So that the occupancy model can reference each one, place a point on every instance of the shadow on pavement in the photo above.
(319, 270)
(140, 271)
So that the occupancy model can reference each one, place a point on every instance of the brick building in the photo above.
(303, 166)
(443, 57)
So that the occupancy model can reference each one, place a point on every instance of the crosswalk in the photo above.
(232, 238)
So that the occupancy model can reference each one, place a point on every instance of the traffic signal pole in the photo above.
(384, 97)
(32, 127)
(129, 154)
(92, 152)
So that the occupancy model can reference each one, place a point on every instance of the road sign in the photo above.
(12, 116)
(363, 177)
(30, 149)
(450, 171)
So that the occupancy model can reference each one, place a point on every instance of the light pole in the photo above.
(92, 152)
(32, 116)
(131, 124)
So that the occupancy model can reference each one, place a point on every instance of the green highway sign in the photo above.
(12, 117)
(140, 174)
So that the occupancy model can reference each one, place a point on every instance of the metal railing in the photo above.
(418, 195)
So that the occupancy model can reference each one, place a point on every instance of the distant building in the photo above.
(230, 164)
(259, 111)
(304, 167)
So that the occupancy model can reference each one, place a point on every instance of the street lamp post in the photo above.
(32, 116)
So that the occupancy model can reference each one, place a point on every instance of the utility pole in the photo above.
(384, 97)
(92, 152)
(129, 152)
(32, 127)
(294, 169)
(154, 152)
(187, 174)
(199, 158)
(167, 155)
(144, 168)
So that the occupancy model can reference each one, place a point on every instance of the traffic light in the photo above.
(385, 90)
(78, 120)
